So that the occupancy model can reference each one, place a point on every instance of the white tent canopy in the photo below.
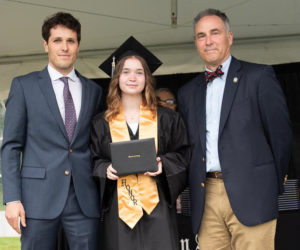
(265, 31)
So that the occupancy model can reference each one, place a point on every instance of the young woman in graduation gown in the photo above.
(133, 114)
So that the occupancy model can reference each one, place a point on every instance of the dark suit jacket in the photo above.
(254, 141)
(34, 131)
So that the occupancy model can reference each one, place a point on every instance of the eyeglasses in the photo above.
(168, 101)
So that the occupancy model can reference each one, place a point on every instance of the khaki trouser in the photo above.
(221, 230)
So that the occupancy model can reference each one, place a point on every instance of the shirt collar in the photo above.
(225, 65)
(55, 75)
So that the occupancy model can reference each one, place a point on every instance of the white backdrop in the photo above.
(265, 31)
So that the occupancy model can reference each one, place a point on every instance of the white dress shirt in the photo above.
(214, 97)
(133, 126)
(75, 87)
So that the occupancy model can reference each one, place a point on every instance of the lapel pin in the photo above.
(235, 80)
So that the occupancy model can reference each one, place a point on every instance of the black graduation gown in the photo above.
(157, 231)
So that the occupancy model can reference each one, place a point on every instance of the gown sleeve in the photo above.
(174, 151)
(100, 155)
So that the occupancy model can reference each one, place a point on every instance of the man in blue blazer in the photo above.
(240, 135)
(46, 167)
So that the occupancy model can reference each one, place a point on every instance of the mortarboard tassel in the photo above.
(113, 65)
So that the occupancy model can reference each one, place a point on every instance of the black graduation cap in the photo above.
(130, 47)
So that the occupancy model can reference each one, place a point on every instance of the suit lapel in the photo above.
(231, 85)
(48, 92)
(200, 109)
(84, 105)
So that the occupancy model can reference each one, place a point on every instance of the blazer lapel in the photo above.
(200, 109)
(48, 92)
(84, 105)
(231, 85)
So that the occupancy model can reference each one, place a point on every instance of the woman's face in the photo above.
(132, 77)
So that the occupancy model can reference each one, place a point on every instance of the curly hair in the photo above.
(64, 19)
(114, 95)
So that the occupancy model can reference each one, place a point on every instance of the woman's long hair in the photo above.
(114, 95)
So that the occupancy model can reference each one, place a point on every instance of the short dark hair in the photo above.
(213, 12)
(64, 19)
(157, 91)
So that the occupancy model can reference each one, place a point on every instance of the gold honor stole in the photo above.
(137, 191)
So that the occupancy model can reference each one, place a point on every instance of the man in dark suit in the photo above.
(46, 168)
(240, 135)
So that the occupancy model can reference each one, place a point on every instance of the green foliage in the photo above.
(10, 243)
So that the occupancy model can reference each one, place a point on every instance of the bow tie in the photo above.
(210, 76)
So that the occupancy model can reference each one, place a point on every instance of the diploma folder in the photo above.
(133, 157)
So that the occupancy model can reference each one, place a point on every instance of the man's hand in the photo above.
(111, 173)
(13, 211)
(159, 166)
